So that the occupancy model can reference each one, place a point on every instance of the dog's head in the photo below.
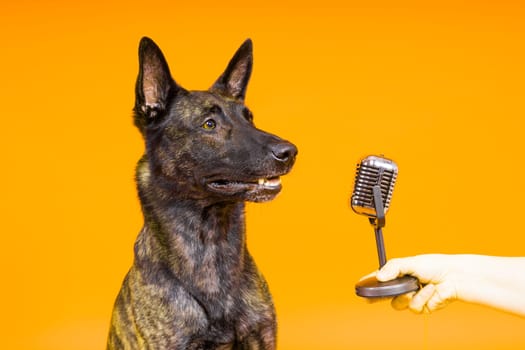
(204, 144)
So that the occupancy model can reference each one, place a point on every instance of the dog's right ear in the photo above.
(154, 84)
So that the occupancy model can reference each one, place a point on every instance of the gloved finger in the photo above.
(439, 299)
(402, 301)
(394, 268)
(418, 302)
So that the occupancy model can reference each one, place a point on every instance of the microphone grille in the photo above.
(371, 171)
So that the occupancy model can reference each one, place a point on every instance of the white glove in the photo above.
(498, 282)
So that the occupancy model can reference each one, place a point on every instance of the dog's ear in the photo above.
(234, 80)
(154, 83)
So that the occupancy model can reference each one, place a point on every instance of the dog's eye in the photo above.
(209, 124)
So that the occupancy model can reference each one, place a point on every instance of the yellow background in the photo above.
(437, 86)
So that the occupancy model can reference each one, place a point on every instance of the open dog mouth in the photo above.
(270, 184)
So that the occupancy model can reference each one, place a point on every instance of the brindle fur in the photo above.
(193, 283)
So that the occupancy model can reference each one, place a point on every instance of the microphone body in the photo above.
(373, 187)
(373, 171)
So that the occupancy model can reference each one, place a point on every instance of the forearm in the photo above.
(498, 282)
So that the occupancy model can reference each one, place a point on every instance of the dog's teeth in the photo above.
(274, 182)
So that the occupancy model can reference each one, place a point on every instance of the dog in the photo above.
(193, 284)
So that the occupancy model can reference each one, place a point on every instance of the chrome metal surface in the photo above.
(371, 171)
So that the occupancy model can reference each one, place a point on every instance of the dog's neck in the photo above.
(200, 243)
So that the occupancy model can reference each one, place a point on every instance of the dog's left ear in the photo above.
(234, 81)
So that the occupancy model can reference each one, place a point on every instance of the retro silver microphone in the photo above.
(373, 187)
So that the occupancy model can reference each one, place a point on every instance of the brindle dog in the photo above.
(193, 283)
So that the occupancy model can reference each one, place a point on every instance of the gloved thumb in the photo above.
(392, 269)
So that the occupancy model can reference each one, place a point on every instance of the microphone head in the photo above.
(371, 171)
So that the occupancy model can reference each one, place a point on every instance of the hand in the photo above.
(498, 282)
(438, 273)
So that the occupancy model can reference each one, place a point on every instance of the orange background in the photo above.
(437, 86)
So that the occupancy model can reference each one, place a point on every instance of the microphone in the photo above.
(373, 187)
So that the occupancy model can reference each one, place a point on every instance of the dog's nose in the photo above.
(284, 151)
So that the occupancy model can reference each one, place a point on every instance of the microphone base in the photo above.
(372, 288)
